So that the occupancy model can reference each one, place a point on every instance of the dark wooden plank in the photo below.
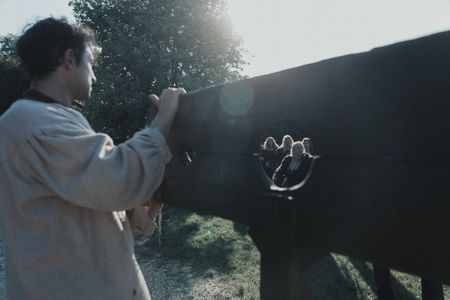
(380, 122)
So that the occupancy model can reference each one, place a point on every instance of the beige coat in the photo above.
(63, 191)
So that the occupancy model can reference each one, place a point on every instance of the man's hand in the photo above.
(167, 105)
(143, 218)
(168, 100)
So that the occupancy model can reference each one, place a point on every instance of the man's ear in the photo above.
(69, 61)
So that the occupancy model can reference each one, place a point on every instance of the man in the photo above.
(64, 188)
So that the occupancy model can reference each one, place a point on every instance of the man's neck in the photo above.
(53, 90)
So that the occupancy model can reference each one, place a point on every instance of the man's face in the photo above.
(84, 77)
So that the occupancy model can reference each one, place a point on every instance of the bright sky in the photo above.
(281, 34)
(15, 14)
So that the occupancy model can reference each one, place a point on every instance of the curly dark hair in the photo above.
(43, 45)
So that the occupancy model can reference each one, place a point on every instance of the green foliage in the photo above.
(13, 77)
(148, 45)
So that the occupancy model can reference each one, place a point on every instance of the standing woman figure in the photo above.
(285, 148)
(269, 155)
(307, 144)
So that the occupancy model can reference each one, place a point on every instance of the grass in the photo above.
(221, 254)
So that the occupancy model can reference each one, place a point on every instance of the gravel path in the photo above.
(165, 284)
(166, 280)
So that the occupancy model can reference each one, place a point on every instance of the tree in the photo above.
(13, 77)
(148, 45)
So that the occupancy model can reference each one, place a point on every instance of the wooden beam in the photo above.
(380, 122)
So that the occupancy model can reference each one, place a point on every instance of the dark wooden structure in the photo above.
(379, 188)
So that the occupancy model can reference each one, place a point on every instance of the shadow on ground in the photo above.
(219, 255)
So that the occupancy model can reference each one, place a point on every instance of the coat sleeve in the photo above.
(86, 169)
(280, 172)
